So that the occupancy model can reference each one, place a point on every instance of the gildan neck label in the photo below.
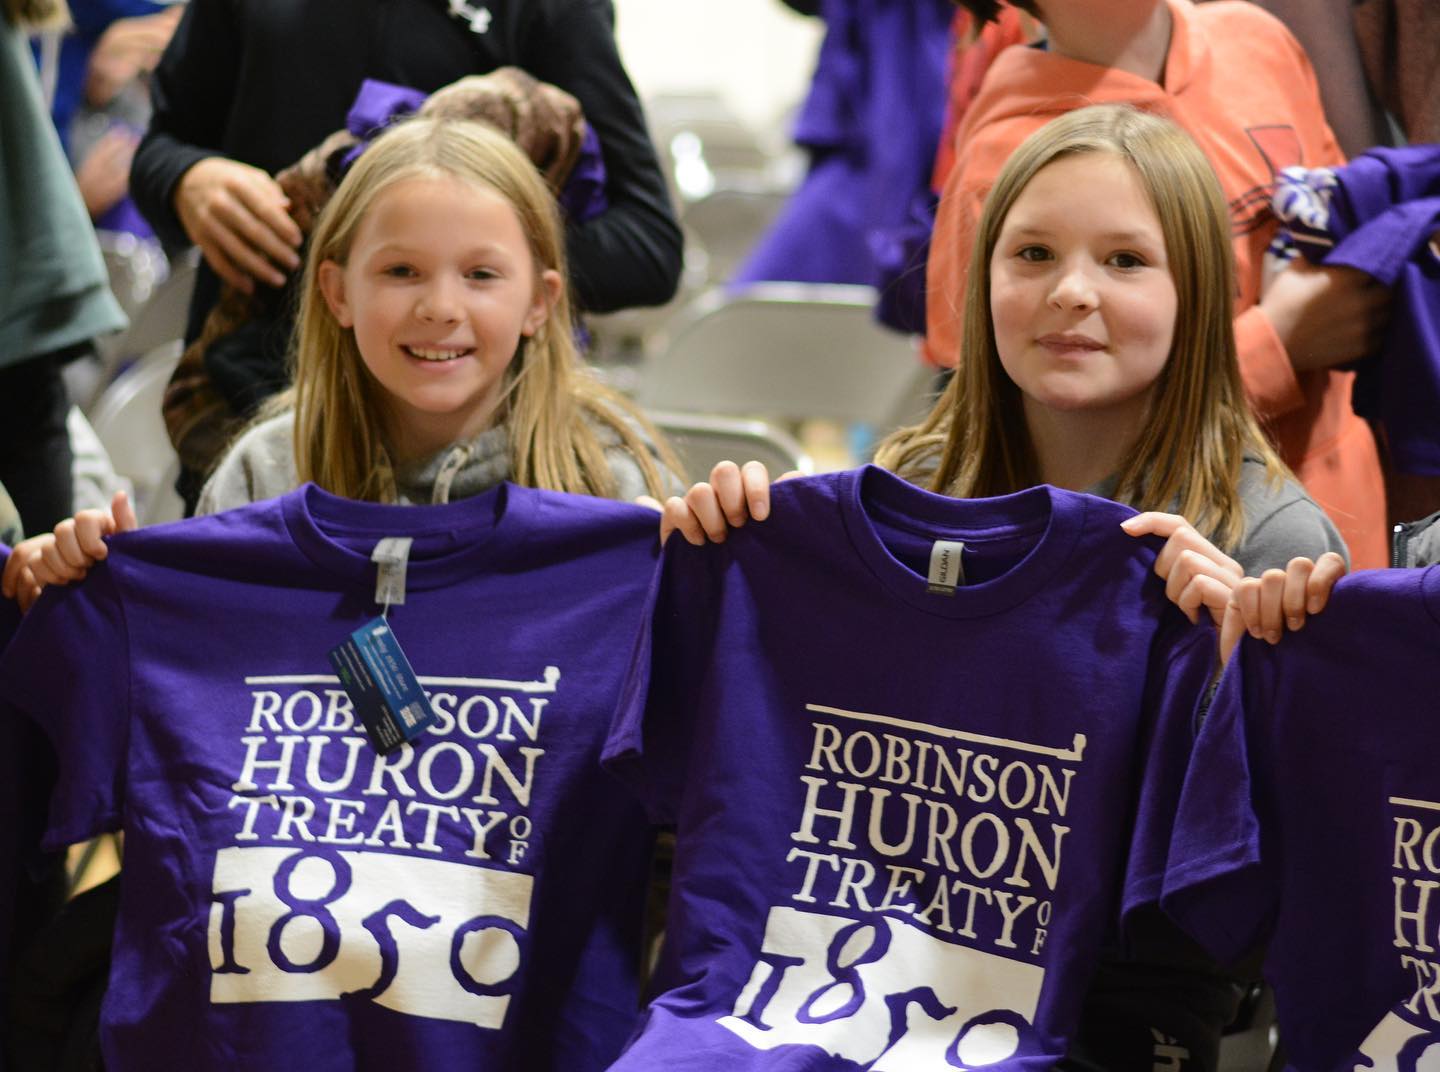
(391, 554)
(946, 570)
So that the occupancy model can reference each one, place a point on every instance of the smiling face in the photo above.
(1081, 295)
(439, 288)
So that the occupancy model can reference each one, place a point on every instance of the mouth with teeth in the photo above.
(437, 356)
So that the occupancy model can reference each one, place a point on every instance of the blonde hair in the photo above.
(557, 413)
(1187, 454)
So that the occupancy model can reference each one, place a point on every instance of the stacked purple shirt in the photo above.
(1377, 214)
(1310, 823)
(907, 820)
(293, 900)
(15, 757)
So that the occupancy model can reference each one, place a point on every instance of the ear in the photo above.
(331, 278)
(548, 288)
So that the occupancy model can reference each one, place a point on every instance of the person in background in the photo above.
(54, 291)
(1234, 78)
(102, 101)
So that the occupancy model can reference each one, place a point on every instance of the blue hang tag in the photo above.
(387, 695)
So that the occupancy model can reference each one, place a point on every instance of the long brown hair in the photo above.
(1188, 452)
(556, 411)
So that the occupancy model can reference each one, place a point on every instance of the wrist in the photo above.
(1281, 320)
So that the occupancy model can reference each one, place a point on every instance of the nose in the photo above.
(1075, 288)
(438, 302)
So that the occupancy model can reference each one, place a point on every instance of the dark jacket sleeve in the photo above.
(631, 253)
(191, 91)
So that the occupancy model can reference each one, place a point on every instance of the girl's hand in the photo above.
(1197, 573)
(18, 581)
(1267, 605)
(66, 554)
(733, 495)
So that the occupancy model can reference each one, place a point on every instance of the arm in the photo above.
(630, 254)
(1308, 316)
(188, 191)
(1320, 316)
(190, 91)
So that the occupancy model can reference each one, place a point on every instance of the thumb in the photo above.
(123, 513)
(1232, 628)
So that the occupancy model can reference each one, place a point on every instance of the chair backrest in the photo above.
(790, 351)
(703, 143)
(127, 419)
(136, 266)
(703, 440)
(161, 319)
(728, 223)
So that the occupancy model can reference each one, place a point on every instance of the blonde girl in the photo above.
(434, 353)
(355, 428)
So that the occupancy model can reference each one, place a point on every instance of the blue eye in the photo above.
(1127, 260)
(1033, 254)
(482, 273)
(398, 271)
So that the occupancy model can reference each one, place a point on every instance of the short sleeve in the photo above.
(1181, 668)
(67, 672)
(258, 465)
(1215, 886)
(1282, 524)
(648, 746)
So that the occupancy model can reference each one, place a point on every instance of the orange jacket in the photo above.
(1240, 84)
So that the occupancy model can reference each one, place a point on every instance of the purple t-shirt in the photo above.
(15, 757)
(293, 900)
(907, 821)
(1377, 214)
(1311, 821)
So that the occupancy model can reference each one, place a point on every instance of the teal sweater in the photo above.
(54, 291)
